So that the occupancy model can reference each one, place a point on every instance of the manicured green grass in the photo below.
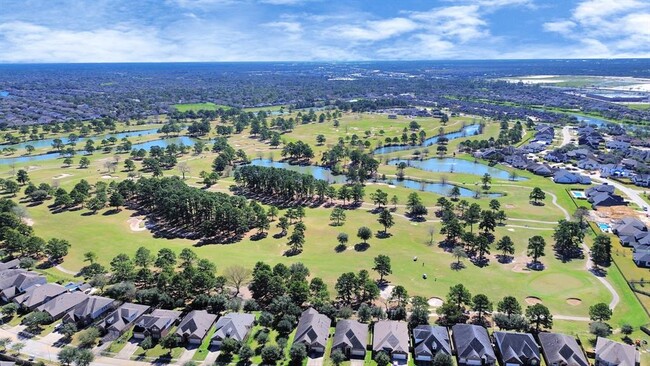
(639, 106)
(204, 348)
(117, 345)
(208, 106)
(108, 234)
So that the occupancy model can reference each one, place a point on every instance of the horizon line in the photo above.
(323, 61)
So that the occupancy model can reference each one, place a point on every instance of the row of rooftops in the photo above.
(471, 343)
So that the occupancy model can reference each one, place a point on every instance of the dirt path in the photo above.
(66, 271)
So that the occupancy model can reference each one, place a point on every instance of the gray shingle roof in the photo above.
(562, 349)
(61, 304)
(37, 295)
(616, 353)
(391, 335)
(87, 307)
(234, 325)
(472, 342)
(313, 328)
(351, 334)
(13, 285)
(14, 263)
(158, 318)
(430, 340)
(124, 315)
(518, 348)
(196, 324)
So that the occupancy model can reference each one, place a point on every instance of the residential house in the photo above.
(120, 320)
(233, 325)
(540, 169)
(630, 163)
(641, 180)
(38, 295)
(517, 349)
(17, 284)
(606, 200)
(428, 340)
(617, 145)
(516, 161)
(641, 258)
(14, 263)
(60, 305)
(610, 353)
(155, 325)
(195, 325)
(578, 153)
(561, 350)
(588, 164)
(603, 188)
(351, 338)
(630, 230)
(534, 147)
(566, 177)
(613, 170)
(556, 157)
(313, 330)
(472, 345)
(88, 310)
(391, 337)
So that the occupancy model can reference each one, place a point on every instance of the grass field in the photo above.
(207, 106)
(108, 233)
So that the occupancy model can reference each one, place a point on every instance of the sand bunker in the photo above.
(435, 302)
(136, 224)
(28, 221)
(61, 176)
(108, 177)
(573, 301)
(510, 206)
(511, 229)
(532, 300)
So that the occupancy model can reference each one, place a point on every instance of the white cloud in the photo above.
(606, 28)
(596, 9)
(562, 26)
(374, 30)
(26, 42)
(463, 22)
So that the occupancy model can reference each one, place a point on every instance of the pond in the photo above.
(45, 143)
(320, 172)
(454, 165)
(317, 172)
(188, 141)
(466, 131)
(592, 121)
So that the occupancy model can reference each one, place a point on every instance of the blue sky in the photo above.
(310, 30)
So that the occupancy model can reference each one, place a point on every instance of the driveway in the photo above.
(128, 350)
(315, 360)
(356, 362)
(213, 354)
(187, 355)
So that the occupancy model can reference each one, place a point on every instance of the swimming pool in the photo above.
(579, 195)
(604, 227)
